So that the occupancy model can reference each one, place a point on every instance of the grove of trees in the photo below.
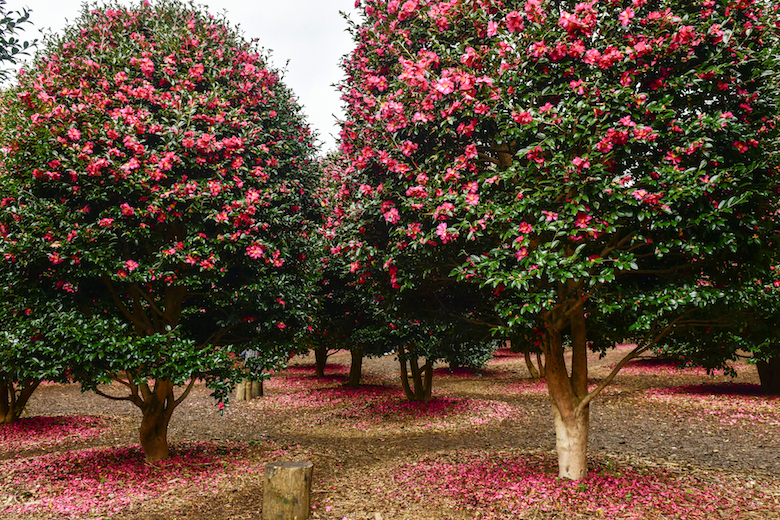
(559, 175)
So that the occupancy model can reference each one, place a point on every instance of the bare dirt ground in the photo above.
(359, 441)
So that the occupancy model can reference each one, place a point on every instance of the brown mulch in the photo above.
(350, 464)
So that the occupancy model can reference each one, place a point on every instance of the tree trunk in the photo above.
(571, 444)
(769, 375)
(568, 390)
(421, 388)
(156, 409)
(13, 399)
(540, 364)
(320, 358)
(356, 367)
(530, 364)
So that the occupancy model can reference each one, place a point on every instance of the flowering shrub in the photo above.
(416, 324)
(615, 160)
(157, 175)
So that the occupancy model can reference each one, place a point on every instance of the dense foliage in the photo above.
(606, 169)
(157, 172)
(11, 47)
(420, 324)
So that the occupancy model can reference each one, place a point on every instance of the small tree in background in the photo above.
(433, 322)
(608, 170)
(158, 172)
(752, 335)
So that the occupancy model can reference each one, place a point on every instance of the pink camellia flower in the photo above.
(392, 216)
(525, 228)
(626, 16)
(535, 155)
(131, 265)
(74, 134)
(444, 211)
(127, 209)
(147, 66)
(514, 22)
(523, 117)
(444, 85)
(105, 222)
(581, 163)
(538, 49)
(196, 71)
(592, 56)
(281, 325)
(408, 148)
(521, 253)
(446, 234)
(492, 28)
(582, 220)
(255, 251)
(549, 216)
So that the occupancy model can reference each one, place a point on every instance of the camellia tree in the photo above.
(608, 169)
(753, 336)
(16, 388)
(157, 174)
(434, 322)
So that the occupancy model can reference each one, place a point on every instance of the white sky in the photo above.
(307, 37)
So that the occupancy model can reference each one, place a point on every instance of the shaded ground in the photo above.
(654, 417)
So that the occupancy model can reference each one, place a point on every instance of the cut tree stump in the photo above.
(287, 491)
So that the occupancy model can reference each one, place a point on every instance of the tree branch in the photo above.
(121, 305)
(184, 394)
(113, 397)
(628, 357)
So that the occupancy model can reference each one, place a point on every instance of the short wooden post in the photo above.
(247, 390)
(287, 491)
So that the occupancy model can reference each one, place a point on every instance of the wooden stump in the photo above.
(247, 390)
(287, 491)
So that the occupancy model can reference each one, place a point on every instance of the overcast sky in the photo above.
(307, 37)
